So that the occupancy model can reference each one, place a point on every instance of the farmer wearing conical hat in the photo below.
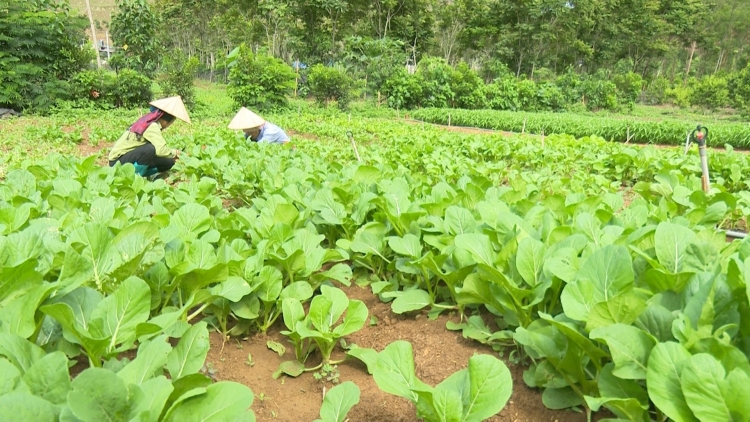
(143, 144)
(257, 129)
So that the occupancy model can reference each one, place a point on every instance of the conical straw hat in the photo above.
(245, 119)
(173, 106)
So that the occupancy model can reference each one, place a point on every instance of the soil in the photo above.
(438, 353)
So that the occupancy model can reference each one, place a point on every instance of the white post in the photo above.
(93, 35)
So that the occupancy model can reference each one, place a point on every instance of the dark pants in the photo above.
(145, 155)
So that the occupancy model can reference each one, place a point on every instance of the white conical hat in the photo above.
(173, 106)
(245, 119)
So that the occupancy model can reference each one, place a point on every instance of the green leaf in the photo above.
(26, 407)
(276, 347)
(98, 395)
(630, 348)
(270, 284)
(368, 356)
(478, 245)
(293, 312)
(233, 289)
(223, 401)
(19, 351)
(671, 241)
(338, 401)
(411, 301)
(152, 356)
(561, 398)
(48, 378)
(394, 370)
(156, 392)
(530, 260)
(663, 378)
(706, 391)
(191, 220)
(299, 290)
(490, 387)
(293, 368)
(409, 245)
(118, 314)
(459, 221)
(614, 387)
(624, 308)
(606, 273)
(354, 319)
(319, 314)
(188, 357)
(9, 376)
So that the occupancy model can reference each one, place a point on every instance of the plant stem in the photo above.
(196, 313)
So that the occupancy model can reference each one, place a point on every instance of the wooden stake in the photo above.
(449, 119)
(542, 138)
(354, 145)
(523, 129)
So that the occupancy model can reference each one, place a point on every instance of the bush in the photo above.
(436, 76)
(679, 96)
(629, 87)
(549, 97)
(467, 88)
(108, 90)
(330, 84)
(739, 91)
(177, 77)
(570, 84)
(527, 91)
(42, 45)
(502, 94)
(599, 93)
(259, 81)
(133, 89)
(656, 91)
(711, 92)
(134, 28)
(404, 91)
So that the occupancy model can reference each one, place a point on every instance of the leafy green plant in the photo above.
(38, 387)
(330, 84)
(472, 394)
(710, 93)
(338, 401)
(320, 326)
(404, 91)
(259, 81)
(134, 28)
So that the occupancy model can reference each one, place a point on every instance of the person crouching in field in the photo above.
(143, 144)
(256, 129)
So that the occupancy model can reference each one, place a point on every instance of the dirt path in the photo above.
(438, 353)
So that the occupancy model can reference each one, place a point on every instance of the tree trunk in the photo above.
(690, 62)
(93, 35)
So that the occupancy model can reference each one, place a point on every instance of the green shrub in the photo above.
(178, 73)
(502, 94)
(629, 87)
(570, 84)
(97, 86)
(330, 84)
(527, 91)
(436, 76)
(133, 28)
(656, 91)
(679, 96)
(467, 88)
(739, 91)
(549, 97)
(404, 91)
(133, 89)
(42, 45)
(711, 92)
(599, 93)
(259, 81)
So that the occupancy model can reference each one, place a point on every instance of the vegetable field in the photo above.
(595, 274)
(636, 130)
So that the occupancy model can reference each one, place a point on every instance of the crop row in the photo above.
(667, 132)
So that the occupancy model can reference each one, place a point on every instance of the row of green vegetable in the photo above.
(616, 305)
(636, 130)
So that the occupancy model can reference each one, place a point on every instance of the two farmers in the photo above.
(144, 146)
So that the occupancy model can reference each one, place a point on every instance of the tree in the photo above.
(41, 45)
(134, 30)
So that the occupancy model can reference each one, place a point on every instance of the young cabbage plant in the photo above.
(338, 401)
(469, 395)
(321, 326)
